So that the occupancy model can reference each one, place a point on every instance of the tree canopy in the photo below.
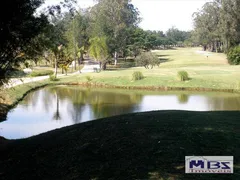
(217, 25)
(17, 28)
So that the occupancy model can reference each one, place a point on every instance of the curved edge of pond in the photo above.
(7, 107)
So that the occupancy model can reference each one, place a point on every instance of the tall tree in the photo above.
(77, 36)
(111, 18)
(207, 24)
(217, 25)
(230, 20)
(18, 26)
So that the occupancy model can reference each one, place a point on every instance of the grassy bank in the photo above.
(149, 145)
(208, 72)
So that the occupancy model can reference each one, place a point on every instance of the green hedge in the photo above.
(41, 73)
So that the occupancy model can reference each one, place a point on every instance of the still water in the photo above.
(55, 107)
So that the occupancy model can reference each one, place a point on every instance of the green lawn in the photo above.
(212, 72)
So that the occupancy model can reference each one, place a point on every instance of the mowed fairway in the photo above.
(204, 72)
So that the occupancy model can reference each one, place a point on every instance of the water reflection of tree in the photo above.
(42, 98)
(48, 99)
(31, 100)
(183, 98)
(224, 103)
(57, 115)
(102, 104)
(106, 104)
(53, 97)
(79, 100)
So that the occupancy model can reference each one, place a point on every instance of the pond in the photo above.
(55, 107)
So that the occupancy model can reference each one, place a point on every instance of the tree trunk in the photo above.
(104, 65)
(75, 62)
(227, 44)
(115, 58)
(55, 67)
(204, 48)
(217, 46)
(81, 56)
(212, 47)
(66, 70)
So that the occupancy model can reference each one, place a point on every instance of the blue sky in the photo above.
(159, 14)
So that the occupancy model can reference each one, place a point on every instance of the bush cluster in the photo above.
(233, 56)
(147, 60)
(89, 78)
(137, 75)
(52, 77)
(183, 76)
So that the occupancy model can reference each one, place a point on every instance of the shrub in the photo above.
(233, 56)
(89, 78)
(41, 73)
(147, 59)
(137, 75)
(183, 76)
(52, 78)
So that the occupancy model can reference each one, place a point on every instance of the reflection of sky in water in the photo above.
(171, 102)
(35, 114)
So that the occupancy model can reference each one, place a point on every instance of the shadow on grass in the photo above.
(163, 60)
(150, 145)
(115, 69)
(158, 55)
(168, 48)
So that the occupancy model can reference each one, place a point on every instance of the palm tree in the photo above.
(99, 50)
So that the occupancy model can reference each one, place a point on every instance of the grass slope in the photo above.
(212, 72)
(150, 145)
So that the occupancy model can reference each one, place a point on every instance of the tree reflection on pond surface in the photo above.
(55, 107)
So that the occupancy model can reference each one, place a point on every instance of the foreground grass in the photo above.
(150, 145)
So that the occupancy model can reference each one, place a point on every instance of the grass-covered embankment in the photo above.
(210, 73)
(150, 145)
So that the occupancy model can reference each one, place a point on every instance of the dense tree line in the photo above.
(217, 25)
